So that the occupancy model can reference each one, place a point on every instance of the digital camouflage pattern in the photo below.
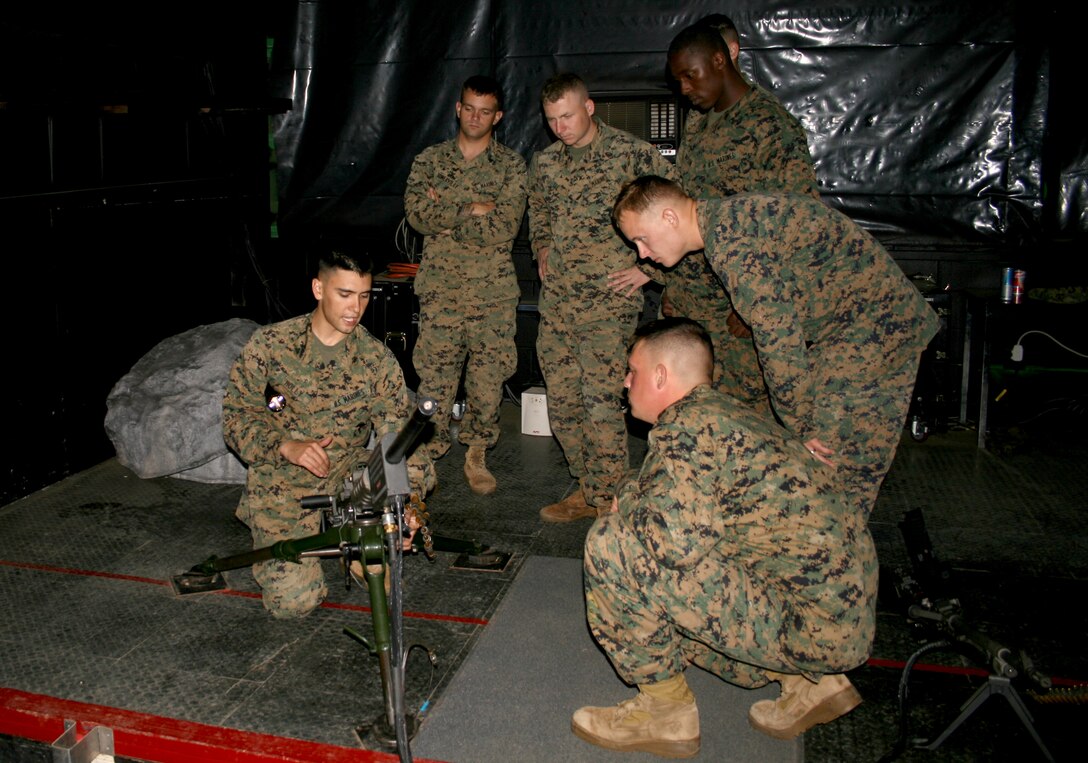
(838, 327)
(570, 213)
(755, 145)
(466, 284)
(585, 326)
(733, 548)
(354, 390)
(466, 258)
(584, 364)
(478, 338)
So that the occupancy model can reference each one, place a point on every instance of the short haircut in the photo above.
(638, 195)
(723, 24)
(699, 36)
(560, 84)
(481, 84)
(677, 335)
(342, 259)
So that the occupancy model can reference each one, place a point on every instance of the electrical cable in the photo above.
(511, 396)
(1018, 348)
(275, 307)
(403, 240)
(900, 745)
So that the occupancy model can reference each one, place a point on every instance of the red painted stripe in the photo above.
(228, 591)
(878, 662)
(166, 740)
(84, 573)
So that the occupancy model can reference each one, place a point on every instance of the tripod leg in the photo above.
(995, 685)
(1021, 710)
(971, 705)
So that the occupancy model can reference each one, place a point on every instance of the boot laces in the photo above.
(634, 709)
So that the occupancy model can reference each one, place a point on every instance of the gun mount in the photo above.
(935, 605)
(367, 522)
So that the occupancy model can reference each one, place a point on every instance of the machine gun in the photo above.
(365, 522)
(934, 604)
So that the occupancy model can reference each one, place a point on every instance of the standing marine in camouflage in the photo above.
(302, 402)
(738, 139)
(838, 327)
(467, 197)
(591, 287)
(733, 549)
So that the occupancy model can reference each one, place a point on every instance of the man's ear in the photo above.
(668, 214)
(498, 118)
(661, 375)
(317, 287)
(734, 50)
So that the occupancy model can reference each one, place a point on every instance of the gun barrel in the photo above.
(412, 430)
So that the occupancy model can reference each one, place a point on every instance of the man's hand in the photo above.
(542, 263)
(627, 281)
(820, 451)
(431, 193)
(478, 208)
(737, 327)
(666, 305)
(309, 454)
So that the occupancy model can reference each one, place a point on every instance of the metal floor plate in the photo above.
(87, 612)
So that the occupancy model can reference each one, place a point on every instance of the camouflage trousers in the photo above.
(652, 621)
(737, 372)
(584, 366)
(478, 339)
(863, 425)
(288, 589)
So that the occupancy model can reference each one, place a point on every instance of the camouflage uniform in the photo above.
(755, 145)
(354, 389)
(585, 325)
(838, 327)
(467, 289)
(732, 549)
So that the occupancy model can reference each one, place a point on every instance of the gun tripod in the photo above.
(998, 684)
(946, 613)
(995, 686)
(366, 523)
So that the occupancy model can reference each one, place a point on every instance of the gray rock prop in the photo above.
(165, 416)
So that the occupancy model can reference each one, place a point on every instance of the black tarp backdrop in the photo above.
(927, 120)
(134, 150)
(134, 195)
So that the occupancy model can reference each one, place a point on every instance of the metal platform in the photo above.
(91, 630)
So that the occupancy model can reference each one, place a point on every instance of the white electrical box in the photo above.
(534, 412)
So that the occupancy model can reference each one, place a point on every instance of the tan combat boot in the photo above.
(803, 704)
(572, 507)
(480, 480)
(644, 723)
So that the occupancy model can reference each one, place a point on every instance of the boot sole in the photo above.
(568, 518)
(482, 487)
(684, 748)
(835, 706)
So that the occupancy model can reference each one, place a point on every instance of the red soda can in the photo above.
(1019, 286)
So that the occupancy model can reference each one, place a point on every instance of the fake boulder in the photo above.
(165, 416)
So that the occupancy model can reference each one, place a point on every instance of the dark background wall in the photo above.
(171, 165)
(926, 118)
